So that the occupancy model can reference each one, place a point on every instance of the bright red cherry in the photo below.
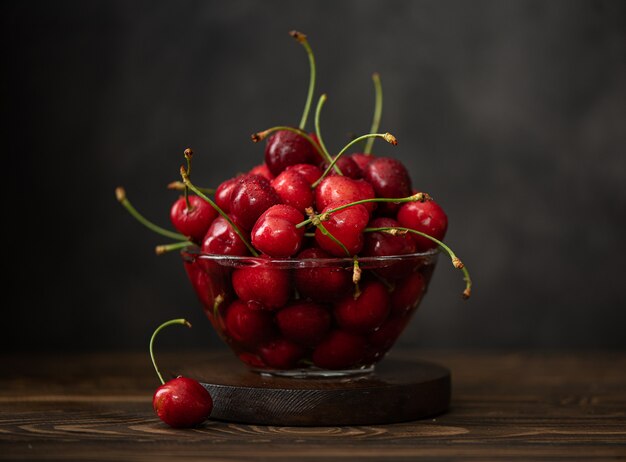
(275, 233)
(407, 294)
(310, 172)
(248, 323)
(318, 282)
(285, 148)
(305, 323)
(346, 226)
(194, 221)
(221, 239)
(337, 188)
(182, 403)
(389, 178)
(222, 193)
(339, 350)
(263, 284)
(427, 217)
(281, 353)
(249, 198)
(365, 313)
(263, 171)
(293, 189)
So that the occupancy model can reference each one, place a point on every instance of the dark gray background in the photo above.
(512, 114)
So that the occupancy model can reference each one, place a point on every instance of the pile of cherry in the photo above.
(304, 204)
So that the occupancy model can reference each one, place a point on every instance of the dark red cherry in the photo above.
(248, 323)
(249, 198)
(348, 168)
(346, 226)
(221, 239)
(305, 323)
(407, 294)
(379, 243)
(319, 282)
(275, 233)
(384, 338)
(389, 178)
(365, 313)
(337, 188)
(293, 189)
(310, 172)
(285, 148)
(222, 193)
(280, 353)
(339, 350)
(182, 403)
(263, 284)
(361, 159)
(195, 221)
(263, 171)
(427, 217)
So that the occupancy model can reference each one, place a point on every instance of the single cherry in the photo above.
(271, 287)
(339, 350)
(248, 324)
(281, 353)
(427, 217)
(293, 189)
(304, 323)
(263, 171)
(221, 239)
(346, 226)
(337, 188)
(389, 178)
(310, 172)
(192, 221)
(319, 282)
(366, 312)
(285, 148)
(222, 193)
(249, 198)
(275, 233)
(181, 402)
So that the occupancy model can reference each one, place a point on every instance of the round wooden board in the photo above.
(399, 390)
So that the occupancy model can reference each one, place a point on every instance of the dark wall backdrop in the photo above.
(512, 114)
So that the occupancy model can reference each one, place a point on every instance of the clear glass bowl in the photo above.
(306, 317)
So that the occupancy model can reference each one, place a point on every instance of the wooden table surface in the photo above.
(505, 406)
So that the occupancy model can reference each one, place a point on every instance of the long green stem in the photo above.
(161, 249)
(120, 193)
(301, 38)
(418, 197)
(154, 334)
(188, 182)
(386, 136)
(318, 132)
(378, 111)
(456, 261)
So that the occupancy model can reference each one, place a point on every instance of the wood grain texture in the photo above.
(505, 406)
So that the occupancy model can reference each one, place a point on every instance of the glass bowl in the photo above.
(306, 317)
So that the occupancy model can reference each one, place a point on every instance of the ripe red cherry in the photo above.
(348, 168)
(427, 217)
(285, 148)
(407, 293)
(362, 159)
(365, 314)
(346, 226)
(248, 323)
(319, 283)
(337, 188)
(275, 233)
(263, 284)
(310, 172)
(389, 178)
(222, 193)
(293, 189)
(182, 403)
(304, 323)
(281, 353)
(221, 239)
(249, 198)
(379, 243)
(339, 350)
(384, 338)
(263, 171)
(194, 221)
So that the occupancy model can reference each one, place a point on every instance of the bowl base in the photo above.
(315, 373)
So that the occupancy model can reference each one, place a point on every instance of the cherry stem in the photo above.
(318, 132)
(120, 193)
(378, 111)
(188, 154)
(388, 137)
(418, 197)
(301, 38)
(180, 186)
(456, 261)
(161, 249)
(260, 136)
(158, 329)
(188, 182)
